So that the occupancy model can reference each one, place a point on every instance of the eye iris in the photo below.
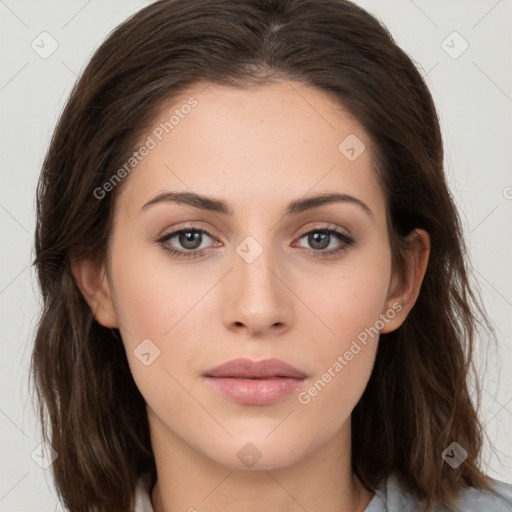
(317, 240)
(189, 239)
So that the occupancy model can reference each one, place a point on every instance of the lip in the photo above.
(255, 382)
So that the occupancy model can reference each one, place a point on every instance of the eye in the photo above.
(189, 242)
(185, 242)
(324, 238)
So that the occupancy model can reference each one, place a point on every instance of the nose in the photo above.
(257, 297)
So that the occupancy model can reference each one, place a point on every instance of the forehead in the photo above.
(278, 141)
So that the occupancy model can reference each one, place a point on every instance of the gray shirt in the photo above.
(390, 496)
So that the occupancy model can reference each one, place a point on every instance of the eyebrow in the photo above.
(218, 206)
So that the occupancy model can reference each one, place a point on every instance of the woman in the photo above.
(255, 284)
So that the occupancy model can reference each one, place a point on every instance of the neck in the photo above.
(189, 480)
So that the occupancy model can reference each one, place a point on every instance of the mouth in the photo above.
(255, 382)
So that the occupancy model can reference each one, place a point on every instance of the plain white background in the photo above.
(472, 88)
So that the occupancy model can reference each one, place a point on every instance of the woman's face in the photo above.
(257, 276)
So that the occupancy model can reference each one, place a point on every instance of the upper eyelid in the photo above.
(185, 229)
(325, 227)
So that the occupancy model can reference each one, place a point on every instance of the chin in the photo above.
(254, 453)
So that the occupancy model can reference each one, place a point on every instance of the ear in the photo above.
(92, 280)
(404, 290)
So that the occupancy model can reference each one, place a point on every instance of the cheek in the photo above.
(351, 297)
(160, 310)
(152, 304)
(349, 306)
(151, 294)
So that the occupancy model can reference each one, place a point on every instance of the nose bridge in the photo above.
(257, 298)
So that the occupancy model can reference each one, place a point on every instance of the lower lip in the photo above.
(255, 391)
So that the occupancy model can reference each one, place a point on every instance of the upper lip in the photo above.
(247, 369)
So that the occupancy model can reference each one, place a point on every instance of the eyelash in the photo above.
(347, 240)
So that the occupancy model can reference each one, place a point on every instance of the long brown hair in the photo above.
(417, 400)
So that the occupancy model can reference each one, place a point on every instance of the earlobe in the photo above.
(92, 281)
(404, 290)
